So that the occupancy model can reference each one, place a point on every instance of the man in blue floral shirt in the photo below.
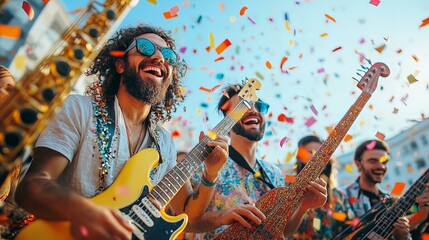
(244, 178)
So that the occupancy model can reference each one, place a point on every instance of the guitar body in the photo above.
(127, 192)
(365, 231)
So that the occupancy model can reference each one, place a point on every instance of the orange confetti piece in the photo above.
(424, 22)
(415, 58)
(167, 15)
(175, 134)
(410, 169)
(294, 67)
(380, 136)
(284, 118)
(224, 45)
(303, 155)
(425, 236)
(243, 10)
(398, 188)
(115, 53)
(13, 32)
(268, 64)
(284, 59)
(339, 216)
(348, 137)
(330, 18)
(289, 178)
(287, 25)
(221, 6)
(208, 89)
(353, 200)
(380, 49)
(76, 11)
(336, 49)
(28, 9)
(225, 106)
(219, 59)
(45, 1)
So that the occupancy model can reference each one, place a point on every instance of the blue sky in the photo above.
(322, 77)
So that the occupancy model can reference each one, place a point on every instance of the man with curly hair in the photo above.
(83, 149)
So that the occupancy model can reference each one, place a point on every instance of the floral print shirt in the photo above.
(236, 186)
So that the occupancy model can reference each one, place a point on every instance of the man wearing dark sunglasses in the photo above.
(86, 145)
(244, 178)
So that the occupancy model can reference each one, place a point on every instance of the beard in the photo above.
(145, 90)
(252, 135)
(369, 176)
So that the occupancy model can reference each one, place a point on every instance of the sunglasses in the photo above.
(261, 107)
(147, 48)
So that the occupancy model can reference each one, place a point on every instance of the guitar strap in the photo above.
(260, 175)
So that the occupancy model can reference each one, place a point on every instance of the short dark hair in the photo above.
(230, 90)
(308, 139)
(363, 147)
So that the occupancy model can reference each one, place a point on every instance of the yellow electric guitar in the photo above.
(132, 190)
(279, 204)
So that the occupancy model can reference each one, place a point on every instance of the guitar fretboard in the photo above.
(289, 202)
(176, 178)
(384, 224)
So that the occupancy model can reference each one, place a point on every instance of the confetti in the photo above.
(224, 45)
(212, 135)
(289, 178)
(152, 1)
(380, 136)
(310, 121)
(116, 53)
(243, 10)
(28, 9)
(348, 138)
(45, 1)
(384, 159)
(76, 11)
(321, 70)
(371, 145)
(336, 49)
(317, 223)
(411, 79)
(339, 216)
(424, 22)
(268, 64)
(415, 58)
(284, 118)
(221, 6)
(289, 157)
(349, 168)
(375, 2)
(251, 20)
(398, 188)
(287, 25)
(313, 109)
(380, 48)
(211, 39)
(175, 134)
(13, 32)
(208, 89)
(330, 18)
(83, 231)
(323, 34)
(259, 75)
(303, 155)
(283, 140)
(284, 59)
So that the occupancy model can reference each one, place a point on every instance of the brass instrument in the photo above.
(42, 91)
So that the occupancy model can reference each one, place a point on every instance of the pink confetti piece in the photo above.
(321, 70)
(183, 50)
(283, 141)
(310, 121)
(314, 109)
(174, 10)
(371, 145)
(83, 231)
(375, 2)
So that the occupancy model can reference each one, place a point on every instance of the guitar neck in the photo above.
(384, 223)
(176, 178)
(315, 166)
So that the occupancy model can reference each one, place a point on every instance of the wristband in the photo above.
(208, 184)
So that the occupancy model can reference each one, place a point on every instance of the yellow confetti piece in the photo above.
(232, 19)
(395, 110)
(257, 174)
(182, 90)
(199, 111)
(384, 159)
(323, 34)
(20, 62)
(212, 135)
(361, 123)
(287, 25)
(212, 42)
(289, 156)
(291, 42)
(349, 167)
(152, 1)
(316, 223)
(411, 79)
(339, 216)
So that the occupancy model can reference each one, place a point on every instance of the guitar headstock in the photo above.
(369, 81)
(248, 92)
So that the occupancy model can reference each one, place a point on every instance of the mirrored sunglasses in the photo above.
(261, 107)
(147, 48)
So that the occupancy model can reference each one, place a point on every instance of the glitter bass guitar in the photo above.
(132, 190)
(279, 204)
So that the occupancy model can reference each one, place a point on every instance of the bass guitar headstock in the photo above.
(248, 92)
(369, 81)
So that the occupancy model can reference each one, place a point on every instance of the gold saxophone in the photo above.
(42, 91)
